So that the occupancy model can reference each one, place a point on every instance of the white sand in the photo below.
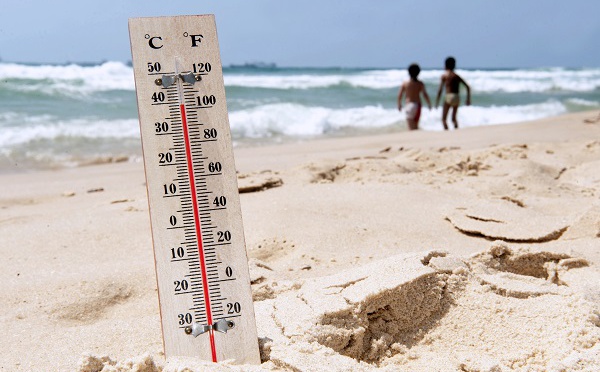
(473, 250)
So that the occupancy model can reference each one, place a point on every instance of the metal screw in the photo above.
(158, 81)
(188, 330)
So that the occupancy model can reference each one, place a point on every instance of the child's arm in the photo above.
(425, 95)
(439, 93)
(468, 102)
(400, 94)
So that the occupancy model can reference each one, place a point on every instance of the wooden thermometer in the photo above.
(201, 263)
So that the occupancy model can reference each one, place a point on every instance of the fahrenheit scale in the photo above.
(199, 249)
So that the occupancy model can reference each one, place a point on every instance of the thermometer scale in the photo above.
(199, 249)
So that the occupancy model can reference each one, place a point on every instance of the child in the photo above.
(413, 89)
(452, 83)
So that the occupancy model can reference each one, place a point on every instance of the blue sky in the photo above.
(348, 33)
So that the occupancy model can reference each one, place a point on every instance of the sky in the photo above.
(321, 33)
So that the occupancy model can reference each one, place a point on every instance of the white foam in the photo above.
(543, 80)
(583, 102)
(270, 81)
(511, 81)
(118, 76)
(297, 120)
(373, 79)
(53, 79)
(472, 116)
(47, 127)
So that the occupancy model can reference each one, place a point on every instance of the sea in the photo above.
(68, 115)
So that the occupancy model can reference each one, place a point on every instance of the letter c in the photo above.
(151, 42)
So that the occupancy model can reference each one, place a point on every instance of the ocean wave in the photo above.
(19, 129)
(475, 116)
(68, 80)
(366, 79)
(272, 120)
(287, 119)
(45, 141)
(296, 120)
(510, 81)
(75, 79)
(549, 80)
(582, 102)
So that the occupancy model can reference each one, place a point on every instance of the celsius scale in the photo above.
(199, 249)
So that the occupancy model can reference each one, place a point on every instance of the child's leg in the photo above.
(417, 117)
(445, 115)
(454, 111)
(412, 124)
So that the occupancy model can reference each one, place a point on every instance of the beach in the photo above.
(469, 250)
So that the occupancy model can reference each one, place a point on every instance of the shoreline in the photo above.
(347, 145)
(490, 232)
(467, 138)
(302, 146)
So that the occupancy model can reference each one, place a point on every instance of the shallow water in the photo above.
(68, 115)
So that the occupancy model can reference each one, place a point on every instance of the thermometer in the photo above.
(199, 249)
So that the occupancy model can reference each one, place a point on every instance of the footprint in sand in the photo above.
(361, 313)
(522, 273)
(380, 311)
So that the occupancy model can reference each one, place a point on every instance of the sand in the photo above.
(470, 250)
